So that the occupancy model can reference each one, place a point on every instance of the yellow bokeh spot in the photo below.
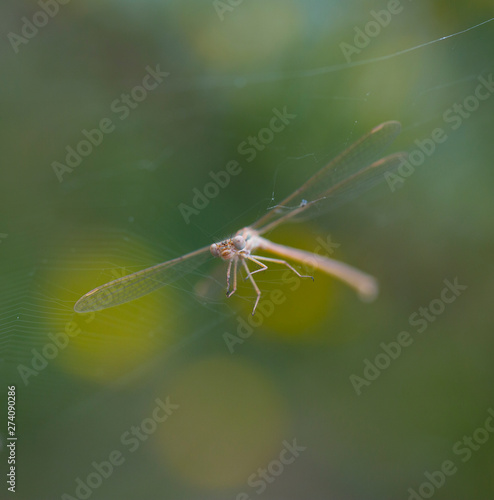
(292, 306)
(231, 420)
(248, 34)
(105, 345)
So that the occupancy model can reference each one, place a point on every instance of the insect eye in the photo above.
(239, 242)
(214, 250)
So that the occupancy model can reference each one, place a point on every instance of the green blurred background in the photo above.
(117, 212)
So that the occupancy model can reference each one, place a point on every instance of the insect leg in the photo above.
(279, 261)
(235, 264)
(256, 288)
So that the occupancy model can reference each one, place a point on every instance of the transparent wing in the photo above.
(350, 173)
(136, 285)
(342, 192)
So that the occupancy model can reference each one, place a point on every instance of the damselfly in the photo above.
(354, 170)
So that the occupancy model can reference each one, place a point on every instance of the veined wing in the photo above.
(136, 285)
(350, 173)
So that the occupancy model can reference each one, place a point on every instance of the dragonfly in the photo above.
(356, 169)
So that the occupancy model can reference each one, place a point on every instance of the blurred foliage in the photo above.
(118, 211)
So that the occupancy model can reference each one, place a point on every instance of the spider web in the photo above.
(116, 213)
